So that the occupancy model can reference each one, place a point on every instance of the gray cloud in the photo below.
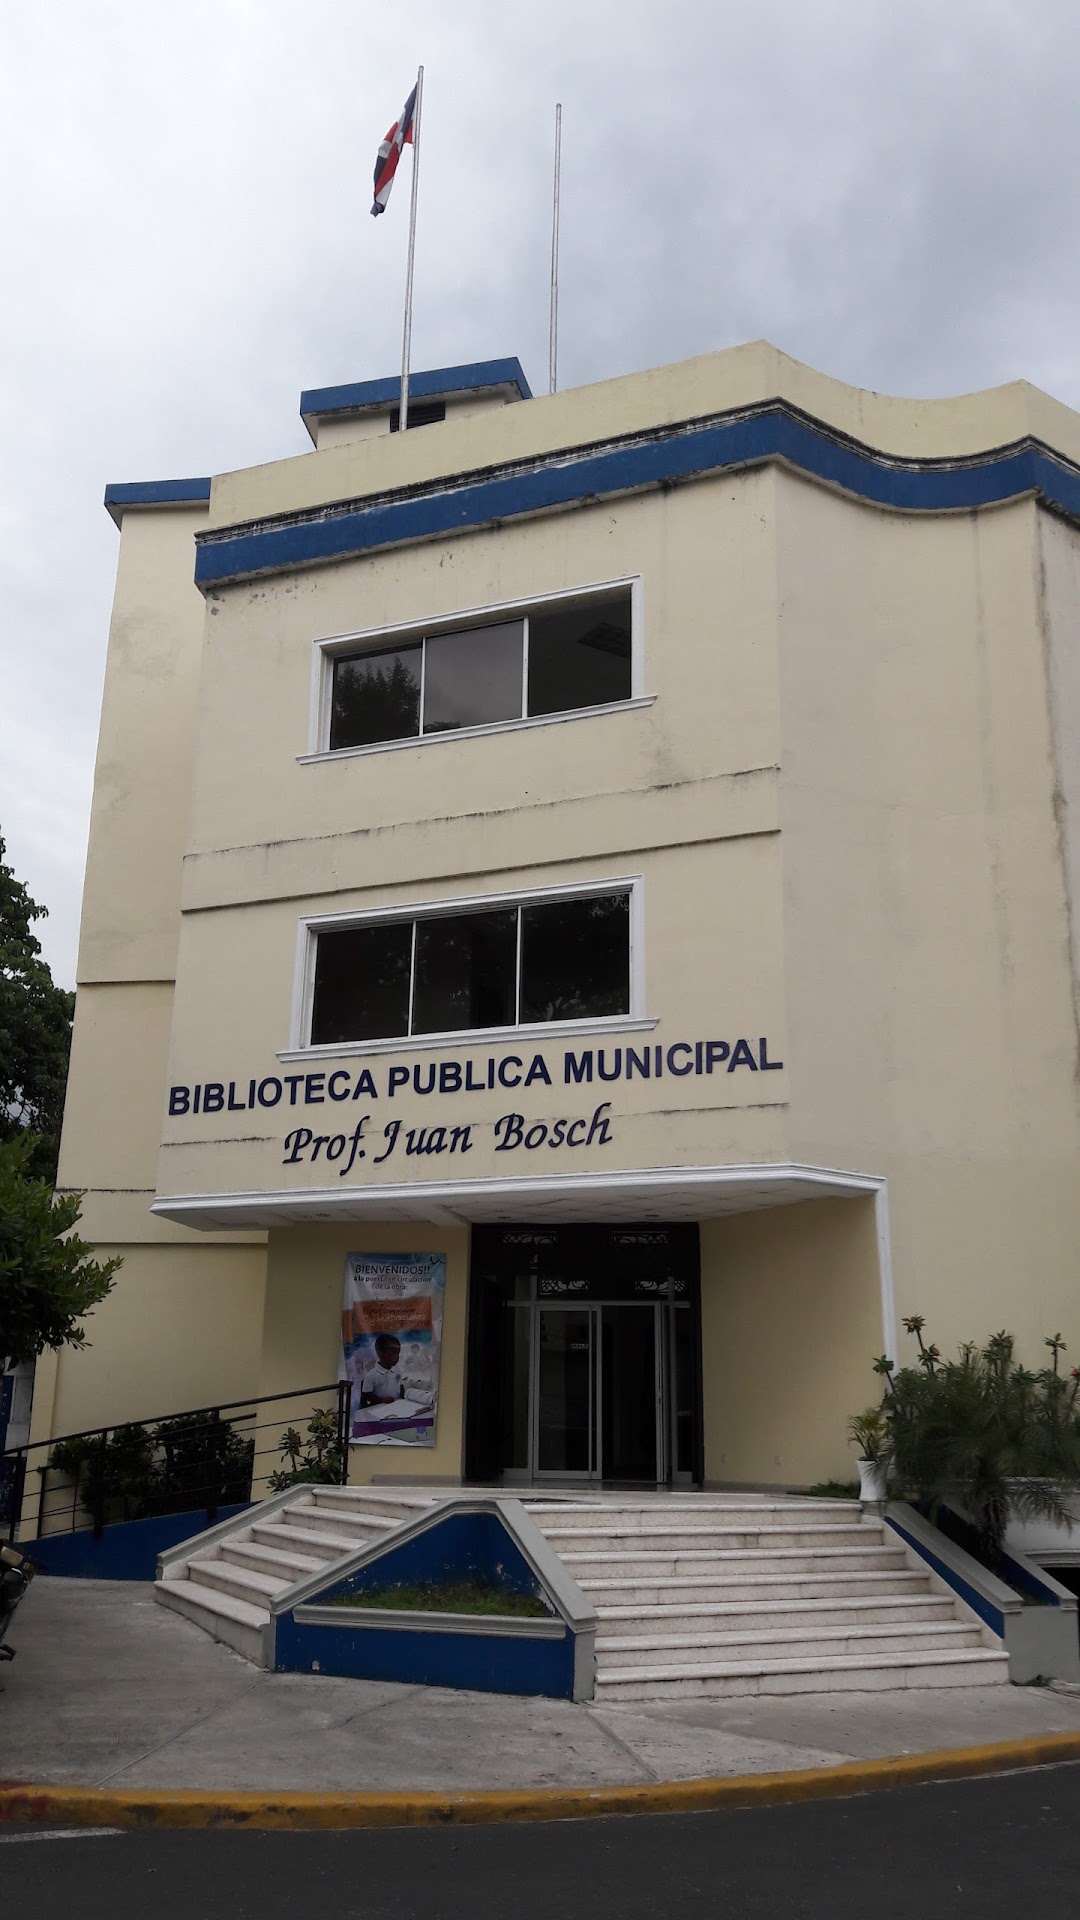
(885, 188)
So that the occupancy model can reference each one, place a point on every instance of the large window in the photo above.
(511, 964)
(553, 658)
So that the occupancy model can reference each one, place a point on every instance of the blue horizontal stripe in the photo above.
(436, 383)
(773, 433)
(154, 493)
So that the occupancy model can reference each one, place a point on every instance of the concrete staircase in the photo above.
(704, 1598)
(226, 1586)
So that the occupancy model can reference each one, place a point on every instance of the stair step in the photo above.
(697, 1563)
(884, 1609)
(651, 1592)
(821, 1644)
(270, 1558)
(718, 1539)
(712, 1679)
(237, 1622)
(324, 1546)
(360, 1526)
(244, 1583)
(369, 1497)
(697, 1510)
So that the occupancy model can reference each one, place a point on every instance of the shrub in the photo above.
(984, 1431)
(322, 1463)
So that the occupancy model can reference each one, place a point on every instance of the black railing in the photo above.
(199, 1460)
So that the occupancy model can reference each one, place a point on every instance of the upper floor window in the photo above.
(554, 657)
(496, 964)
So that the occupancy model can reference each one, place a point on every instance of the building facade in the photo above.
(624, 843)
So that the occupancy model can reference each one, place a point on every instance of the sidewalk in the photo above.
(112, 1690)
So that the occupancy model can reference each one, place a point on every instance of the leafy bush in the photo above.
(321, 1463)
(986, 1432)
(176, 1466)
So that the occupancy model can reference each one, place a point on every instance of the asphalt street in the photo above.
(988, 1847)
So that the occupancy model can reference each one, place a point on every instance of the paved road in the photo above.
(989, 1848)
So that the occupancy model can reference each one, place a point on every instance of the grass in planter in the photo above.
(833, 1490)
(459, 1596)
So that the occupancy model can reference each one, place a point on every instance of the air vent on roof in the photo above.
(422, 413)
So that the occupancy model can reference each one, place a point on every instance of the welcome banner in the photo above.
(391, 1340)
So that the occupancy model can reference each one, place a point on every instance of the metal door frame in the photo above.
(665, 1398)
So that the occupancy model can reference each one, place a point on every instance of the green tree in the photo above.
(35, 1029)
(48, 1277)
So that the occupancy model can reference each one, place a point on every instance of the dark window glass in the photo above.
(575, 958)
(473, 678)
(466, 968)
(362, 983)
(376, 697)
(579, 656)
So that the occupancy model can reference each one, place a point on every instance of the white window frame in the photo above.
(312, 925)
(376, 639)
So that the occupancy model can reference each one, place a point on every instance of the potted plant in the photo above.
(869, 1431)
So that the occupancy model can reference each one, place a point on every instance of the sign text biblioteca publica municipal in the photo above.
(449, 1077)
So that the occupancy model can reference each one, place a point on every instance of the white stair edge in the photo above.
(841, 1663)
(281, 1534)
(298, 1564)
(224, 1575)
(610, 1649)
(236, 1622)
(943, 1602)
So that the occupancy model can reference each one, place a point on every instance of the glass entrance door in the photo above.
(565, 1392)
(584, 1356)
(632, 1394)
(600, 1393)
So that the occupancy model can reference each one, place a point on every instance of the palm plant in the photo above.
(985, 1431)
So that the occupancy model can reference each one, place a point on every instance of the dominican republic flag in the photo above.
(400, 135)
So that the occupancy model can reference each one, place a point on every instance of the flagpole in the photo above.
(553, 319)
(406, 340)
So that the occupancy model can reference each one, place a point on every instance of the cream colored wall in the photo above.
(932, 1027)
(263, 825)
(680, 791)
(142, 778)
(342, 432)
(664, 396)
(894, 692)
(182, 1329)
(790, 1323)
(302, 1331)
(182, 1326)
(1059, 584)
(233, 1004)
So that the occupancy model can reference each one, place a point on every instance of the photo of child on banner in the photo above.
(391, 1336)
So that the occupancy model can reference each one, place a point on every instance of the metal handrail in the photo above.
(186, 1413)
(174, 1477)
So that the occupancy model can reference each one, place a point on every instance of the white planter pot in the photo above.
(872, 1486)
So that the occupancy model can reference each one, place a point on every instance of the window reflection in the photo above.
(473, 679)
(376, 696)
(575, 958)
(465, 970)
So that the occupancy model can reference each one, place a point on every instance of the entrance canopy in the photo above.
(651, 1193)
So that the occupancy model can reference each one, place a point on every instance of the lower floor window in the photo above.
(515, 965)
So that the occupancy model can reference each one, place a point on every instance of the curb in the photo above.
(99, 1807)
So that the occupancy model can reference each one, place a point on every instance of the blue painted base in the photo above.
(456, 1547)
(127, 1550)
(479, 1662)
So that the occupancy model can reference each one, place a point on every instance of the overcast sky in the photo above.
(887, 189)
